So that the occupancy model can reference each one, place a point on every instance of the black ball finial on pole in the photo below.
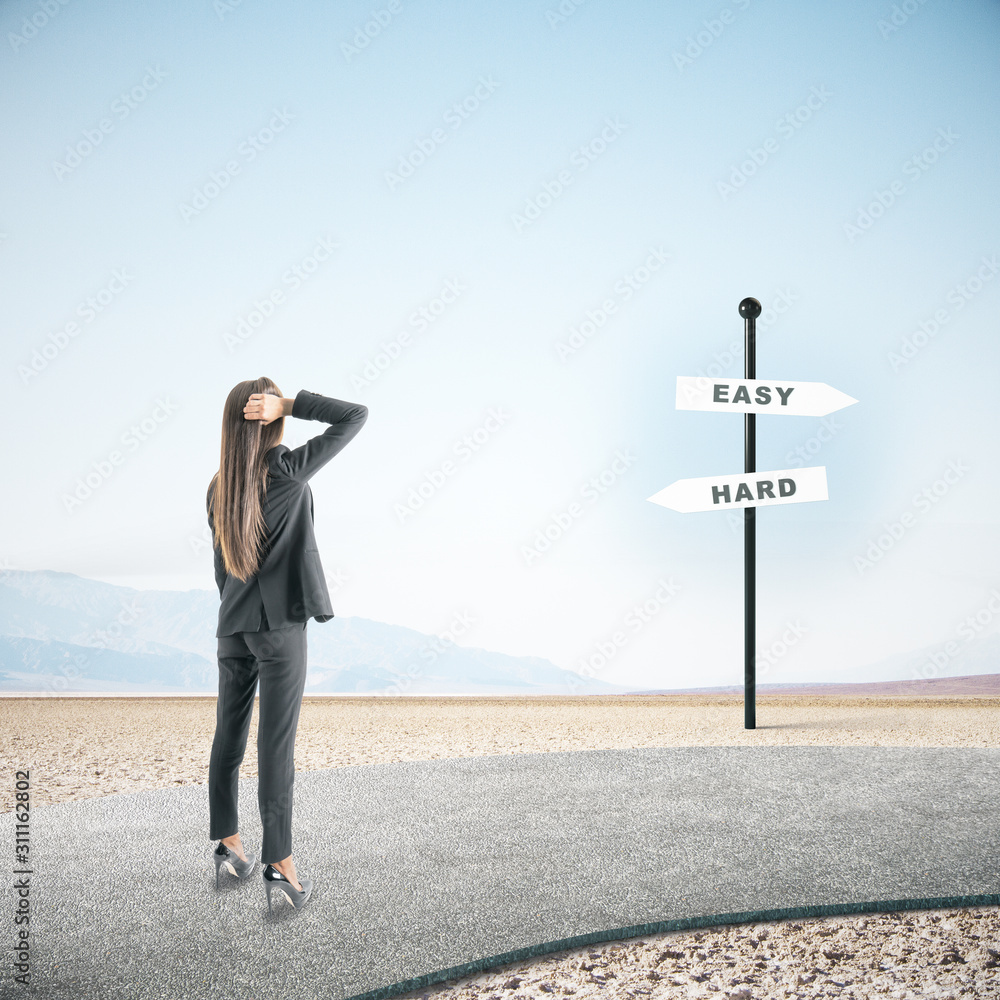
(750, 309)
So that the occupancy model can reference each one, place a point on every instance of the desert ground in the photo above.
(82, 747)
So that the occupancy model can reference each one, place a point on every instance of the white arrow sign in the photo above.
(752, 489)
(741, 395)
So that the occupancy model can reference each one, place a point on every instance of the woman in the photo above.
(271, 582)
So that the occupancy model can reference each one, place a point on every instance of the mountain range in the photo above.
(64, 633)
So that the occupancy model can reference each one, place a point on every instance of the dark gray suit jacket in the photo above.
(290, 586)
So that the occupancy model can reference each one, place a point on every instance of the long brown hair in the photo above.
(236, 491)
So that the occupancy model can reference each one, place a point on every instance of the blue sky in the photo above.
(618, 128)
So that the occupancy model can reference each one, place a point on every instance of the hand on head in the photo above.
(263, 406)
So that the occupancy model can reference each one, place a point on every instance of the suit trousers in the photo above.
(277, 658)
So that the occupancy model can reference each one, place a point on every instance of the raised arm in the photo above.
(345, 420)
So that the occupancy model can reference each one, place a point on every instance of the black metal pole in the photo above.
(750, 309)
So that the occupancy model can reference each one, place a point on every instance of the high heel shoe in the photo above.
(273, 879)
(225, 856)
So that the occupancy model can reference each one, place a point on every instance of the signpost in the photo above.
(750, 309)
(752, 489)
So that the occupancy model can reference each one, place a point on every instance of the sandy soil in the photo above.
(940, 953)
(80, 748)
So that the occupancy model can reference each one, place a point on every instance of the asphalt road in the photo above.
(426, 870)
